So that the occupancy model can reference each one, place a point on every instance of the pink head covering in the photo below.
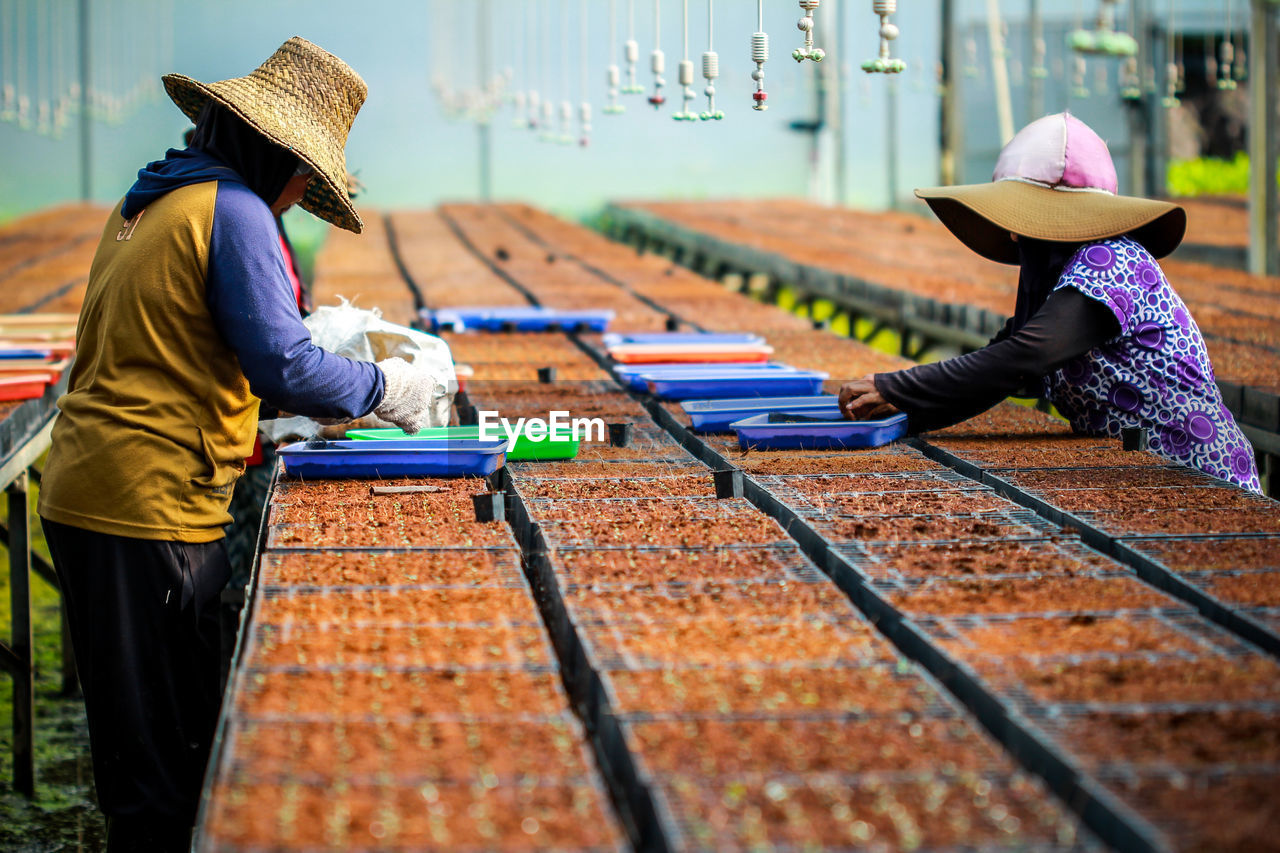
(1061, 152)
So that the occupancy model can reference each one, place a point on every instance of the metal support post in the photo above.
(951, 165)
(1263, 71)
(20, 645)
(86, 121)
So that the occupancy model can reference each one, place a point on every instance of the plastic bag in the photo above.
(364, 336)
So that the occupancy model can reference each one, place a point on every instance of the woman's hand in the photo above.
(860, 401)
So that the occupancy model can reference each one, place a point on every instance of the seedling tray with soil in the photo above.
(408, 606)
(452, 646)
(683, 465)
(750, 601)
(942, 500)
(1051, 594)
(1059, 555)
(930, 528)
(643, 567)
(820, 485)
(1209, 555)
(850, 462)
(453, 567)
(692, 485)
(1263, 518)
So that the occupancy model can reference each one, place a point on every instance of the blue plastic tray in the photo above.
(824, 432)
(409, 458)
(25, 353)
(521, 318)
(725, 384)
(719, 415)
(636, 376)
(615, 339)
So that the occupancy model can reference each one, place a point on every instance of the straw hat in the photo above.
(1053, 181)
(302, 98)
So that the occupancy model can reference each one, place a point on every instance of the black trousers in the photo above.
(144, 625)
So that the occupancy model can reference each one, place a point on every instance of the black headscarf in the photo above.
(1042, 263)
(264, 166)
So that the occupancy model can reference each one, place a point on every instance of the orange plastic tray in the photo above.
(690, 353)
(24, 386)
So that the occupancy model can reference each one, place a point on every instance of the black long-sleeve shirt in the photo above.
(934, 396)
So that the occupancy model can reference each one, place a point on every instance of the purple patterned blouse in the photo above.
(1155, 374)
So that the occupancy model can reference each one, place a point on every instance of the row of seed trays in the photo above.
(395, 687)
(862, 252)
(737, 697)
(1112, 671)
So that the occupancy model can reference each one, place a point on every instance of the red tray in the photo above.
(25, 386)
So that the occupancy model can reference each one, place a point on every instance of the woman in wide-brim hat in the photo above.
(188, 323)
(1097, 329)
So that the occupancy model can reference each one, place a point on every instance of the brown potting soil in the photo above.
(1264, 518)
(1206, 679)
(1083, 457)
(1052, 594)
(506, 818)
(401, 532)
(677, 531)
(437, 750)
(318, 493)
(717, 640)
(604, 452)
(1067, 635)
(940, 812)
(373, 568)
(1141, 476)
(718, 748)
(1167, 498)
(1184, 739)
(853, 461)
(526, 472)
(699, 486)
(943, 501)
(403, 606)
(671, 566)
(1256, 589)
(828, 484)
(766, 601)
(780, 690)
(1191, 555)
(442, 646)
(1211, 812)
(918, 528)
(986, 558)
(380, 692)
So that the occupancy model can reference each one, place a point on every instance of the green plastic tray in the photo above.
(522, 449)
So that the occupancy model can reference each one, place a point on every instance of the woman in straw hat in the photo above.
(189, 321)
(1096, 329)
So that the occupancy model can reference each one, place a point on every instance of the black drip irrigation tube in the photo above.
(497, 270)
(1105, 815)
(1149, 570)
(393, 243)
(642, 818)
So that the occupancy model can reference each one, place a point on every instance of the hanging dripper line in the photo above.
(710, 71)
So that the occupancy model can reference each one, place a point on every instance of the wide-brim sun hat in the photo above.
(1053, 181)
(302, 98)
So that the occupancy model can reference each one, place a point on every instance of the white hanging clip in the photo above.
(805, 25)
(686, 91)
(710, 71)
(611, 78)
(884, 64)
(566, 123)
(759, 55)
(535, 102)
(584, 123)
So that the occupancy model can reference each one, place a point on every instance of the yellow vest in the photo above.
(159, 417)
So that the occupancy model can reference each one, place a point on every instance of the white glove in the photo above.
(407, 400)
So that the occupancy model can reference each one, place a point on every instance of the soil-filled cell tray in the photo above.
(1208, 812)
(1138, 477)
(716, 640)
(714, 747)
(1251, 589)
(1054, 458)
(782, 691)
(670, 524)
(391, 568)
(1193, 555)
(1211, 678)
(321, 493)
(413, 606)
(693, 485)
(496, 645)
(648, 452)
(933, 812)
(849, 462)
(941, 501)
(1180, 499)
(1077, 634)
(1009, 419)
(930, 528)
(1264, 518)
(411, 751)
(1059, 556)
(395, 693)
(249, 816)
(1049, 594)
(403, 532)
(770, 601)
(633, 567)
(1182, 739)
(821, 485)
